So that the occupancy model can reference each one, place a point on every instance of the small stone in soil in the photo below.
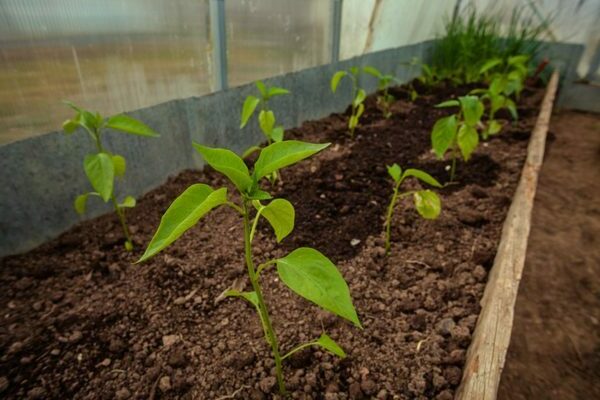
(169, 340)
(3, 383)
(164, 384)
(267, 384)
(122, 394)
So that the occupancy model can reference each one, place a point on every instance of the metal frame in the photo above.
(219, 44)
(336, 29)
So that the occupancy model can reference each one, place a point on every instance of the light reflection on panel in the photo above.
(108, 55)
(273, 37)
(373, 25)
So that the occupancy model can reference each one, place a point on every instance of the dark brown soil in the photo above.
(80, 321)
(555, 346)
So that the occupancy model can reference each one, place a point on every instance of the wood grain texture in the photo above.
(487, 352)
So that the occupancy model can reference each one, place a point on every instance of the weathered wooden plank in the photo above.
(487, 353)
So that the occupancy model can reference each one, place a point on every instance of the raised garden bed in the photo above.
(81, 321)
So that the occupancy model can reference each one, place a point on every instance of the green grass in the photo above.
(473, 38)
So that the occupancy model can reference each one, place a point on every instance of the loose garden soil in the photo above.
(80, 321)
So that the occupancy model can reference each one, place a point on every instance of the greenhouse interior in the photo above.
(300, 199)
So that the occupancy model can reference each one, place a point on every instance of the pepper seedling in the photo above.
(102, 167)
(266, 116)
(384, 98)
(427, 203)
(458, 132)
(305, 271)
(497, 101)
(506, 76)
(358, 96)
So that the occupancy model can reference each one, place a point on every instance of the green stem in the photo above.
(388, 219)
(262, 308)
(453, 168)
(118, 210)
(255, 223)
(390, 211)
(300, 347)
(121, 216)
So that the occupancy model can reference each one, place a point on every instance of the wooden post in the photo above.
(487, 352)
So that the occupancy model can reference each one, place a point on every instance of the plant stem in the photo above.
(121, 216)
(388, 219)
(119, 211)
(262, 307)
(453, 168)
(300, 347)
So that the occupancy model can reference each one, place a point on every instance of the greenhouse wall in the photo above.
(158, 60)
(36, 198)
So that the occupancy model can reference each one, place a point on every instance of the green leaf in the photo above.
(352, 122)
(228, 163)
(250, 150)
(472, 109)
(359, 111)
(258, 194)
(80, 202)
(119, 164)
(498, 85)
(69, 126)
(467, 140)
(354, 71)
(277, 134)
(251, 297)
(519, 59)
(493, 127)
(361, 95)
(443, 134)
(281, 154)
(395, 172)
(489, 65)
(448, 103)
(185, 211)
(250, 105)
(313, 276)
(428, 204)
(422, 176)
(372, 71)
(277, 91)
(266, 121)
(130, 125)
(280, 214)
(261, 88)
(128, 202)
(100, 171)
(335, 81)
(330, 345)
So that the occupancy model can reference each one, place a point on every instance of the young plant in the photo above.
(427, 203)
(102, 167)
(497, 101)
(305, 271)
(358, 96)
(458, 132)
(266, 117)
(384, 99)
(506, 77)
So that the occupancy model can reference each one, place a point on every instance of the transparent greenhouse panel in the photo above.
(370, 25)
(272, 37)
(108, 55)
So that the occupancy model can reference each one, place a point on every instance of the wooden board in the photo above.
(487, 352)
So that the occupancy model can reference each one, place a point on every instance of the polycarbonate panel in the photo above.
(106, 55)
(272, 37)
(370, 25)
